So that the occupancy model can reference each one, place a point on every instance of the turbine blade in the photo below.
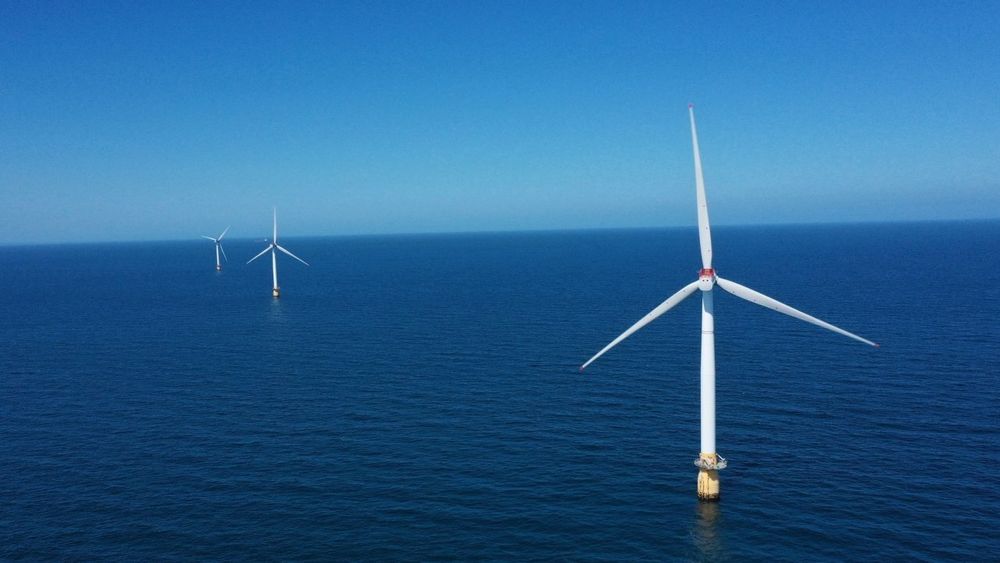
(262, 252)
(285, 250)
(752, 296)
(704, 231)
(224, 233)
(209, 238)
(275, 239)
(223, 251)
(667, 305)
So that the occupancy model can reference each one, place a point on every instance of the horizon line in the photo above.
(514, 231)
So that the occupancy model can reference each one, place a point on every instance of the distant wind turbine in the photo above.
(274, 247)
(709, 462)
(218, 249)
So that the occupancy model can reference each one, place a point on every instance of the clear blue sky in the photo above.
(136, 120)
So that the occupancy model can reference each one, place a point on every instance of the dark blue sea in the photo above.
(418, 398)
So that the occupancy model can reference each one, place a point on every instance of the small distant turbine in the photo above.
(274, 247)
(709, 462)
(218, 249)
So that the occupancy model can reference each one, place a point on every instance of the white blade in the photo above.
(209, 238)
(223, 250)
(224, 233)
(752, 296)
(704, 231)
(275, 238)
(667, 305)
(262, 252)
(283, 249)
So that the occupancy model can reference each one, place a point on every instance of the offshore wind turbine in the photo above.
(274, 247)
(709, 462)
(218, 248)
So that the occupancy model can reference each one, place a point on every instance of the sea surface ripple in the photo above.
(418, 398)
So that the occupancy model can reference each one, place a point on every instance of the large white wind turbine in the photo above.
(274, 247)
(218, 248)
(709, 462)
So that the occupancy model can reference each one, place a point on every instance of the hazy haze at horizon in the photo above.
(122, 122)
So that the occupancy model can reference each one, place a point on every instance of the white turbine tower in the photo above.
(274, 247)
(218, 248)
(709, 462)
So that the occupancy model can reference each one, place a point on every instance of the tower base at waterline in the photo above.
(708, 476)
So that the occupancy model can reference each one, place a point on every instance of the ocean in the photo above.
(418, 398)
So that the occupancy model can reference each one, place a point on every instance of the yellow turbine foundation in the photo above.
(276, 292)
(708, 477)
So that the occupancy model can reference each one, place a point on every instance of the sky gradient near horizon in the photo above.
(133, 121)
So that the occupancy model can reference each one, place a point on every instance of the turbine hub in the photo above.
(706, 279)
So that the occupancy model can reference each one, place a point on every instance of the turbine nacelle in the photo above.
(706, 279)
